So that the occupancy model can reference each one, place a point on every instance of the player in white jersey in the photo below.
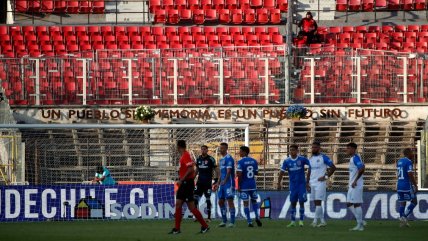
(318, 181)
(354, 198)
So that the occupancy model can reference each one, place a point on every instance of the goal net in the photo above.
(59, 162)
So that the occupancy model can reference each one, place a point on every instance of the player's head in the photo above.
(244, 151)
(181, 145)
(204, 150)
(351, 148)
(308, 15)
(294, 150)
(408, 152)
(316, 147)
(223, 148)
(100, 169)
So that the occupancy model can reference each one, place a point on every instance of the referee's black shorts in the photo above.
(185, 191)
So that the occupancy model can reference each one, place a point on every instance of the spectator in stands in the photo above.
(103, 176)
(308, 27)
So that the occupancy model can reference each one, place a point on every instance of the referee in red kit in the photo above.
(185, 190)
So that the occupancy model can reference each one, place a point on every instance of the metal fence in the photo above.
(228, 75)
(70, 155)
(236, 75)
(329, 75)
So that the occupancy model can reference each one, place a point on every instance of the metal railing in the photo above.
(228, 75)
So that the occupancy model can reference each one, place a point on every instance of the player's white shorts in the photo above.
(318, 192)
(355, 195)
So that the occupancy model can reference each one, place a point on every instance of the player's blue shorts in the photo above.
(226, 192)
(244, 195)
(298, 193)
(406, 196)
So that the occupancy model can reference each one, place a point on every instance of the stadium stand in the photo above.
(222, 11)
(380, 5)
(18, 41)
(398, 38)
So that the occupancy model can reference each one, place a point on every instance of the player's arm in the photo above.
(331, 169)
(239, 175)
(308, 174)
(412, 178)
(281, 175)
(215, 171)
(226, 179)
(361, 169)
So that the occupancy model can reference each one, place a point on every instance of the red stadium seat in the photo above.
(85, 6)
(367, 5)
(186, 14)
(173, 16)
(198, 16)
(224, 16)
(282, 5)
(270, 4)
(160, 16)
(275, 16)
(256, 3)
(193, 4)
(394, 4)
(218, 4)
(354, 5)
(250, 16)
(420, 4)
(231, 4)
(211, 15)
(206, 4)
(21, 5)
(381, 4)
(341, 5)
(407, 4)
(262, 16)
(98, 6)
(237, 16)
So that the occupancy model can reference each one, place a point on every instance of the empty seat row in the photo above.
(193, 5)
(16, 41)
(222, 16)
(59, 6)
(380, 5)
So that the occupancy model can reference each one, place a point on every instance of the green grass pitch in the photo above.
(157, 231)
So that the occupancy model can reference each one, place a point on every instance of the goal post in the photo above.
(60, 160)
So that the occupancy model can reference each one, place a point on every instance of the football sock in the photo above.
(359, 215)
(409, 209)
(317, 213)
(209, 208)
(247, 214)
(255, 206)
(223, 214)
(199, 217)
(352, 209)
(178, 216)
(232, 215)
(321, 214)
(302, 213)
(293, 214)
(402, 208)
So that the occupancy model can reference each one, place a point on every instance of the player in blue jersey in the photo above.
(227, 186)
(406, 186)
(246, 169)
(295, 165)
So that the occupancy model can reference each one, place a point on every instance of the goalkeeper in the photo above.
(103, 176)
(206, 169)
